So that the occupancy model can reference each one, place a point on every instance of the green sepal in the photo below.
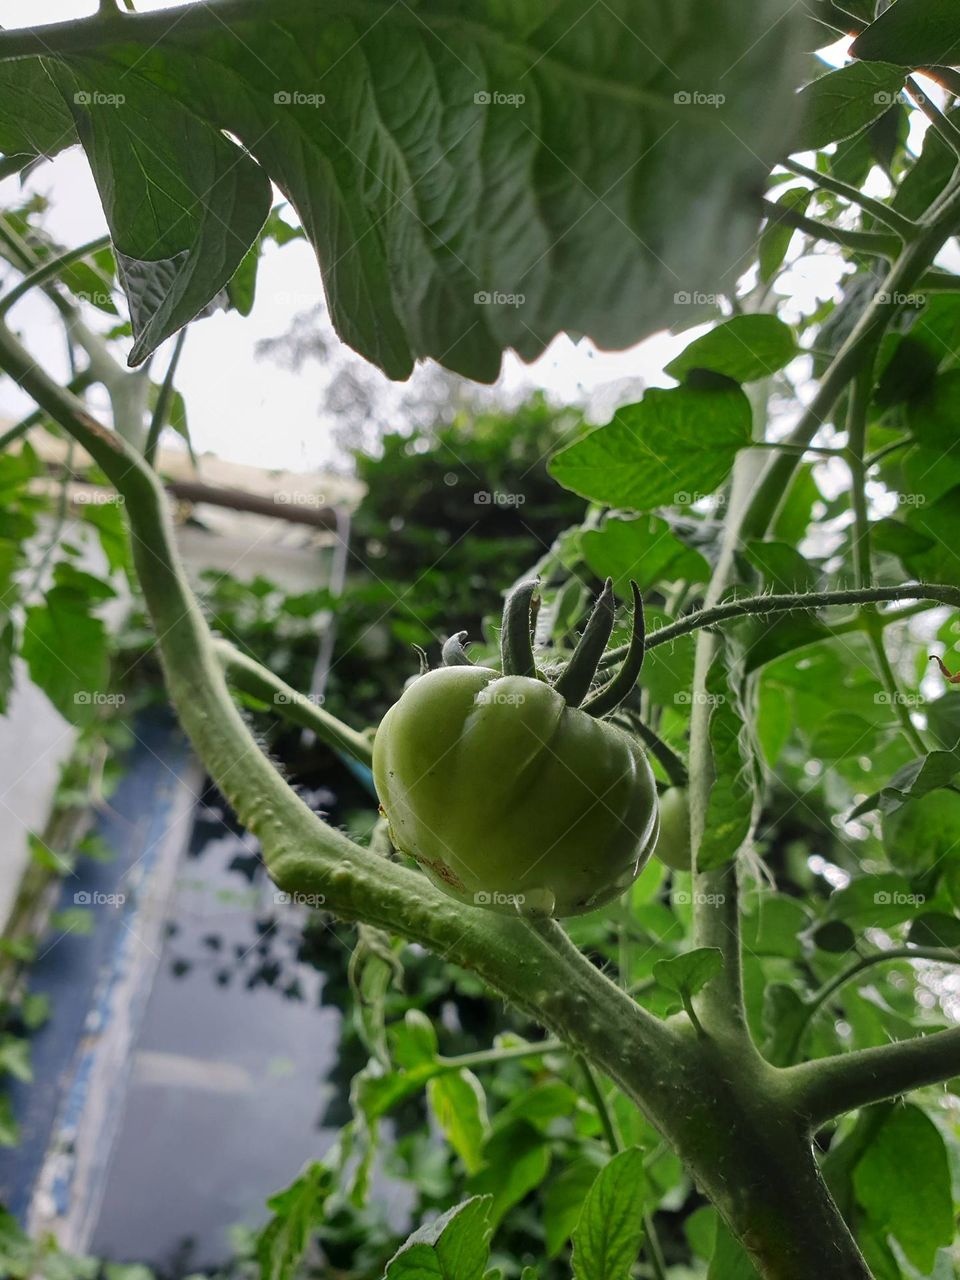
(615, 690)
(578, 675)
(516, 641)
(453, 654)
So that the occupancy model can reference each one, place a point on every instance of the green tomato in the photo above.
(511, 799)
(673, 846)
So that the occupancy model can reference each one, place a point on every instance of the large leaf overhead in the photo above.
(473, 177)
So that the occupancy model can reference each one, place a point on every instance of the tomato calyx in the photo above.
(576, 678)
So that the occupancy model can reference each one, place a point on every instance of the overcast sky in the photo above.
(246, 408)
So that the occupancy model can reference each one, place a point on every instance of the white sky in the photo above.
(247, 409)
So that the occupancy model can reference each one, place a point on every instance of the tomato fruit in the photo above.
(506, 792)
(673, 843)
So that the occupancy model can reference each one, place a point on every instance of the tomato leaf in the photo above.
(644, 550)
(912, 33)
(608, 1236)
(468, 187)
(843, 102)
(460, 1106)
(689, 973)
(903, 1183)
(671, 447)
(744, 348)
(297, 1211)
(34, 120)
(454, 1247)
(183, 202)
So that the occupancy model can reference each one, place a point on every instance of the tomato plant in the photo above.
(733, 1028)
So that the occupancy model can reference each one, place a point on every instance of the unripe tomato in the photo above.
(673, 844)
(511, 798)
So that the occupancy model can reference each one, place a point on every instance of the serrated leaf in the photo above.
(454, 1247)
(913, 32)
(460, 1106)
(743, 348)
(689, 973)
(672, 447)
(608, 1236)
(182, 201)
(384, 126)
(843, 102)
(297, 1211)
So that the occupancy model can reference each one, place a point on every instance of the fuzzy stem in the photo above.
(259, 682)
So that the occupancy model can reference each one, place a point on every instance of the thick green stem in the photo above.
(829, 1087)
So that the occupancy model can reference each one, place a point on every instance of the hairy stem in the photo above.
(749, 606)
(829, 1087)
(905, 228)
(248, 675)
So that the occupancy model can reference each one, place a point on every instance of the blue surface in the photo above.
(70, 968)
